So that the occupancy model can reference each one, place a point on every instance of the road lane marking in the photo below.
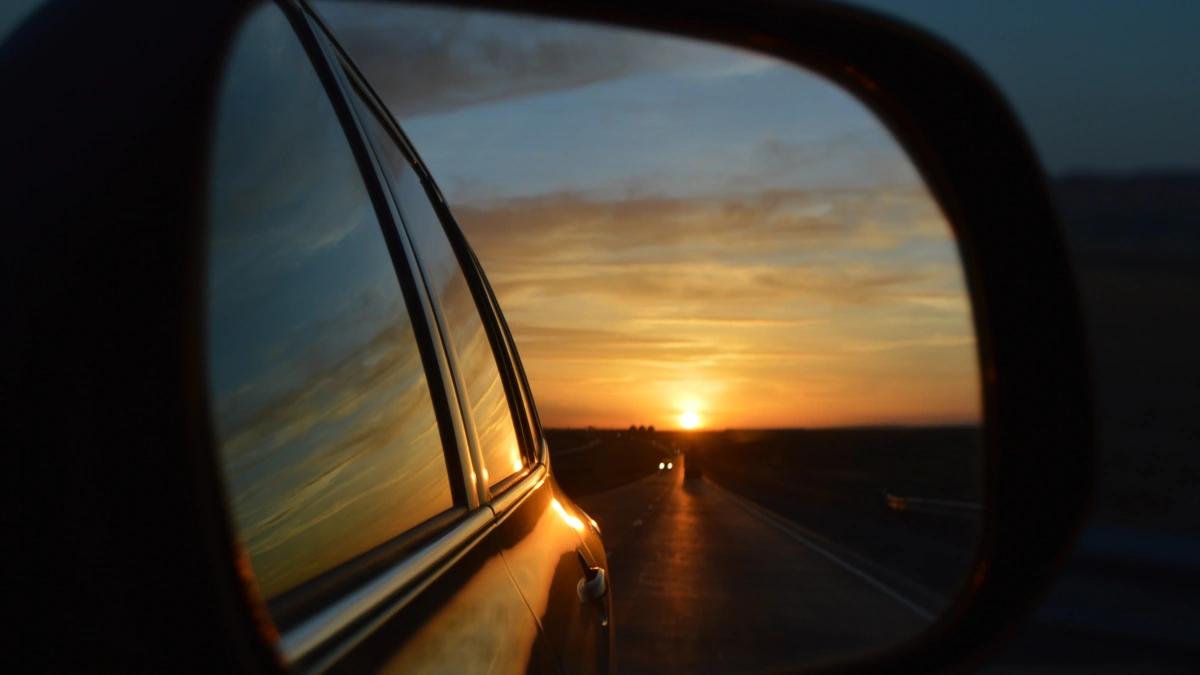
(790, 530)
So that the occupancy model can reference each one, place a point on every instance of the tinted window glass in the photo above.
(523, 386)
(326, 428)
(477, 364)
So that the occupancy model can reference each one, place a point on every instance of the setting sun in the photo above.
(689, 419)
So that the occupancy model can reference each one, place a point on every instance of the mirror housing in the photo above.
(114, 265)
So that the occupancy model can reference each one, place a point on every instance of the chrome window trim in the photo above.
(494, 327)
(511, 498)
(526, 409)
(320, 640)
(463, 427)
(465, 430)
(511, 373)
(423, 565)
(378, 597)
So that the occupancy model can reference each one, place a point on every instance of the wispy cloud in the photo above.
(786, 307)
(424, 60)
(763, 227)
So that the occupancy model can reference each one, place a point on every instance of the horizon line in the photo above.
(809, 428)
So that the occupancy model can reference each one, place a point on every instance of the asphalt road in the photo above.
(749, 571)
(925, 552)
(706, 581)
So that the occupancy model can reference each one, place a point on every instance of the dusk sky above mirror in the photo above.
(672, 226)
(1101, 86)
(1135, 89)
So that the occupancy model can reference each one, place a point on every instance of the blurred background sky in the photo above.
(1102, 86)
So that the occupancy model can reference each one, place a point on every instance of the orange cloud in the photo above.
(778, 309)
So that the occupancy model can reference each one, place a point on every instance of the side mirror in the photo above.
(118, 450)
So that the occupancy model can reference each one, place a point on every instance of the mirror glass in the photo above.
(742, 314)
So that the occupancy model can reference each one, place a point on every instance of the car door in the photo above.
(338, 430)
(552, 545)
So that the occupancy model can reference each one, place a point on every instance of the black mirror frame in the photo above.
(107, 154)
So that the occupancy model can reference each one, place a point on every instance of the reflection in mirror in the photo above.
(467, 337)
(323, 418)
(742, 314)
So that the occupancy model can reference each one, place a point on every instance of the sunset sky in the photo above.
(676, 227)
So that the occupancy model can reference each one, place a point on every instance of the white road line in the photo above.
(775, 520)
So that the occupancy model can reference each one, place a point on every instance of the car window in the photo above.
(531, 419)
(468, 339)
(323, 416)
(521, 399)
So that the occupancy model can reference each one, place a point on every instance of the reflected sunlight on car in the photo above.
(573, 521)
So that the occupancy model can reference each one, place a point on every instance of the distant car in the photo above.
(692, 467)
(666, 464)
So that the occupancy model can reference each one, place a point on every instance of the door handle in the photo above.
(593, 587)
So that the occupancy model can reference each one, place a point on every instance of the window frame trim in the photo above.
(324, 637)
(470, 453)
(329, 613)
(533, 421)
(381, 582)
(438, 377)
(497, 331)
(511, 374)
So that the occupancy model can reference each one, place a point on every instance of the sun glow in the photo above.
(690, 419)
